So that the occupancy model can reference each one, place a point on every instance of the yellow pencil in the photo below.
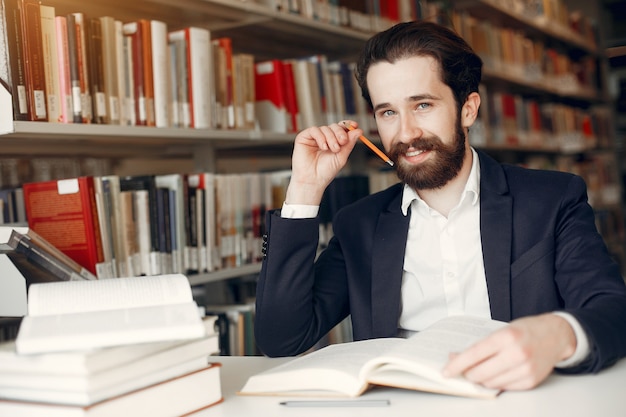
(370, 145)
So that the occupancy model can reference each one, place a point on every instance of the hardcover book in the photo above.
(177, 396)
(64, 212)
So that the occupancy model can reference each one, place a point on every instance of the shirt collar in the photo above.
(472, 187)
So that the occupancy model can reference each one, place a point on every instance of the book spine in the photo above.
(75, 84)
(83, 67)
(109, 58)
(96, 66)
(148, 74)
(51, 62)
(15, 55)
(33, 60)
(92, 227)
(161, 73)
(65, 90)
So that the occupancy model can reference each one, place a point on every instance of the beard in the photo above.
(436, 172)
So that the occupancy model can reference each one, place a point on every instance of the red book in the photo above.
(64, 213)
(271, 99)
(291, 97)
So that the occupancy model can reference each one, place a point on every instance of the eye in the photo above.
(423, 106)
(387, 113)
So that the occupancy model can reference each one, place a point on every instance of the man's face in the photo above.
(418, 121)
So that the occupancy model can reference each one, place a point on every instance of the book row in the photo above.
(78, 69)
(512, 120)
(376, 15)
(153, 224)
(509, 51)
(367, 16)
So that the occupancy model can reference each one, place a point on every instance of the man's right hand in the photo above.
(319, 154)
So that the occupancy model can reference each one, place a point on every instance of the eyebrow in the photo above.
(418, 97)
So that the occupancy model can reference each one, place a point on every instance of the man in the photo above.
(462, 234)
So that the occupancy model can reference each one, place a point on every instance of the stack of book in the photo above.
(111, 347)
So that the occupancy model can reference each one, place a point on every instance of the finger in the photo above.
(334, 137)
(461, 362)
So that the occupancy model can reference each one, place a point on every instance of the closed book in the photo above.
(33, 59)
(63, 61)
(90, 376)
(148, 69)
(109, 59)
(271, 99)
(80, 26)
(50, 63)
(69, 315)
(96, 72)
(134, 33)
(146, 183)
(181, 395)
(13, 59)
(198, 42)
(160, 73)
(64, 213)
(74, 69)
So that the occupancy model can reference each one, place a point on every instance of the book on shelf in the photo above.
(101, 113)
(271, 98)
(145, 216)
(110, 68)
(64, 212)
(200, 89)
(76, 80)
(33, 59)
(87, 377)
(63, 59)
(74, 315)
(80, 26)
(177, 396)
(12, 60)
(50, 62)
(350, 369)
(161, 76)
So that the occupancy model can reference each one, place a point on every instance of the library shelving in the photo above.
(569, 78)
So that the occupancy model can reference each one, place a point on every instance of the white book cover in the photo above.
(161, 76)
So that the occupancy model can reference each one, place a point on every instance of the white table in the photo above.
(601, 395)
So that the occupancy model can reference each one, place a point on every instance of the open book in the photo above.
(349, 369)
(74, 315)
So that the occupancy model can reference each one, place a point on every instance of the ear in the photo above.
(469, 112)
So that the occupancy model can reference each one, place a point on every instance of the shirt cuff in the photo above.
(299, 211)
(582, 342)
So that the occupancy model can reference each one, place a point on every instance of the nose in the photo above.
(409, 130)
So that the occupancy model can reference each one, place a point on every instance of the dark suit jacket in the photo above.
(541, 252)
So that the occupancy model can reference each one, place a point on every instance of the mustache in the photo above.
(422, 144)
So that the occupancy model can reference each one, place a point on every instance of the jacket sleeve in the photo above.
(294, 309)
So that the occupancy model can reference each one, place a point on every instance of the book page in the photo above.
(427, 352)
(333, 369)
(107, 294)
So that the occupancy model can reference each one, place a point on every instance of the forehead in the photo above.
(410, 76)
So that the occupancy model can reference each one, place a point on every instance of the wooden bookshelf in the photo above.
(269, 33)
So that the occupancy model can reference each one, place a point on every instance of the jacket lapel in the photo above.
(496, 220)
(387, 266)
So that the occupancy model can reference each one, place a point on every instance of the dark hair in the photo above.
(460, 67)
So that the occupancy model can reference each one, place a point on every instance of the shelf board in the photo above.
(223, 274)
(114, 140)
